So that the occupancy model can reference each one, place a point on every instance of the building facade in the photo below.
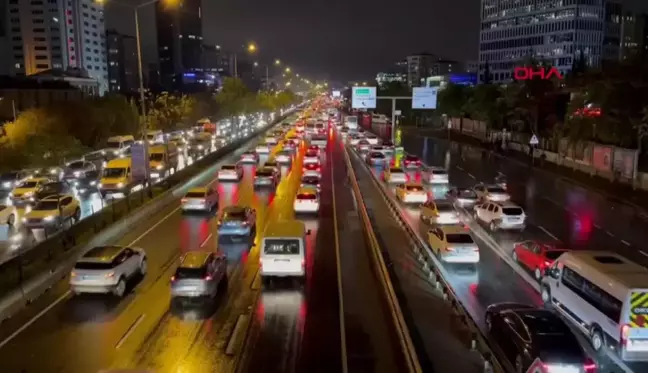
(423, 65)
(41, 35)
(633, 36)
(397, 73)
(123, 75)
(180, 41)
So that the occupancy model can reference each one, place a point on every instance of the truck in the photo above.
(117, 177)
(163, 159)
(351, 122)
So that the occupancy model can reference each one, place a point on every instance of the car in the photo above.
(311, 157)
(312, 169)
(284, 157)
(88, 184)
(319, 140)
(453, 244)
(536, 256)
(353, 139)
(388, 145)
(395, 175)
(272, 139)
(77, 169)
(344, 131)
(378, 148)
(439, 212)
(411, 193)
(462, 197)
(275, 168)
(363, 146)
(307, 200)
(314, 148)
(249, 157)
(8, 215)
(201, 199)
(372, 139)
(501, 215)
(311, 181)
(25, 191)
(524, 333)
(265, 177)
(53, 188)
(494, 193)
(411, 162)
(9, 180)
(283, 250)
(434, 175)
(53, 211)
(376, 159)
(230, 172)
(237, 221)
(201, 273)
(263, 148)
(107, 269)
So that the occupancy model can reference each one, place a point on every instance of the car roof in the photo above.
(198, 190)
(454, 229)
(102, 253)
(194, 259)
(234, 209)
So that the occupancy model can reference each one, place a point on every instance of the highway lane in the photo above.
(498, 278)
(573, 214)
(81, 334)
(442, 343)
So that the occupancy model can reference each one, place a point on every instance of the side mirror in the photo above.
(308, 232)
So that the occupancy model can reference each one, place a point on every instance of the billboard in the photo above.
(336, 94)
(139, 161)
(532, 72)
(424, 97)
(602, 158)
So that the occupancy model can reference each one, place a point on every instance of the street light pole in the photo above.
(139, 66)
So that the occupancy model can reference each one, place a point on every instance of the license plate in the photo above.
(638, 345)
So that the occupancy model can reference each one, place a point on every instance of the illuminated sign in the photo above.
(528, 73)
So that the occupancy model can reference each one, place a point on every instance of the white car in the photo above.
(107, 269)
(363, 146)
(284, 157)
(439, 212)
(25, 190)
(8, 215)
(453, 244)
(372, 139)
(271, 140)
(501, 215)
(230, 172)
(434, 175)
(307, 200)
(249, 157)
(494, 193)
(262, 149)
(202, 199)
(376, 159)
(395, 175)
(314, 169)
(353, 139)
(53, 211)
(411, 193)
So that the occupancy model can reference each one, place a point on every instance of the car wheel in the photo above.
(476, 217)
(493, 227)
(515, 257)
(546, 295)
(596, 339)
(143, 267)
(518, 364)
(11, 220)
(538, 274)
(120, 289)
(489, 322)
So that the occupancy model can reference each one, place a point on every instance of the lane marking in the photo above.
(643, 253)
(130, 330)
(597, 226)
(460, 168)
(625, 242)
(472, 176)
(609, 233)
(548, 233)
(339, 276)
(205, 240)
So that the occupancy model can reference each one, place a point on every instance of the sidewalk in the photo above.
(619, 192)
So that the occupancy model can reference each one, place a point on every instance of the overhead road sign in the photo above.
(424, 97)
(363, 98)
(534, 140)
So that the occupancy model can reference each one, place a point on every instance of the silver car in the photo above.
(200, 274)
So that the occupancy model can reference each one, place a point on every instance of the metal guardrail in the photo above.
(405, 340)
(432, 267)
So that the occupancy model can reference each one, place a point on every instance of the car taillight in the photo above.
(303, 263)
(173, 278)
(110, 275)
(184, 200)
(245, 223)
(625, 331)
(208, 278)
(449, 248)
(589, 366)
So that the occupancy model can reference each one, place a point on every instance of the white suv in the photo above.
(106, 269)
(502, 215)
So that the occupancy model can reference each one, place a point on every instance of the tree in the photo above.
(233, 97)
(170, 112)
(453, 100)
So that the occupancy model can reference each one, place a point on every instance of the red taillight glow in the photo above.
(208, 278)
(184, 200)
(173, 278)
(589, 366)
(625, 331)
(303, 263)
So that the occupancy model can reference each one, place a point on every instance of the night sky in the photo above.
(330, 39)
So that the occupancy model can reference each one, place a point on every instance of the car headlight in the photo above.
(200, 147)
(77, 173)
(53, 171)
(24, 220)
(49, 218)
(100, 185)
(7, 184)
(30, 193)
(159, 167)
(116, 152)
(120, 185)
(93, 183)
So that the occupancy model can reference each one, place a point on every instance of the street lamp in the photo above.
(277, 62)
(256, 64)
(288, 70)
(251, 48)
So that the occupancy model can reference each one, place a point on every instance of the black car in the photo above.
(52, 189)
(524, 333)
(8, 180)
(78, 169)
(89, 183)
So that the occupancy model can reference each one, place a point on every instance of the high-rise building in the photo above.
(423, 65)
(44, 35)
(553, 31)
(397, 73)
(215, 60)
(123, 75)
(179, 38)
(634, 36)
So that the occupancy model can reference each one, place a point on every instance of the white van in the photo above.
(119, 145)
(606, 296)
(351, 122)
(283, 251)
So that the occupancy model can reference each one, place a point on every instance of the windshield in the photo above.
(113, 144)
(512, 211)
(51, 188)
(264, 173)
(190, 273)
(46, 206)
(545, 324)
(311, 153)
(438, 172)
(281, 246)
(310, 180)
(76, 165)
(496, 190)
(28, 184)
(234, 215)
(310, 125)
(308, 196)
(195, 195)
(156, 157)
(396, 170)
(351, 119)
(319, 125)
(461, 238)
(271, 164)
(114, 172)
(377, 155)
(414, 188)
(445, 207)
(411, 158)
(229, 167)
(93, 266)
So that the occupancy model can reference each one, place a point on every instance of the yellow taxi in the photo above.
(439, 212)
(411, 193)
